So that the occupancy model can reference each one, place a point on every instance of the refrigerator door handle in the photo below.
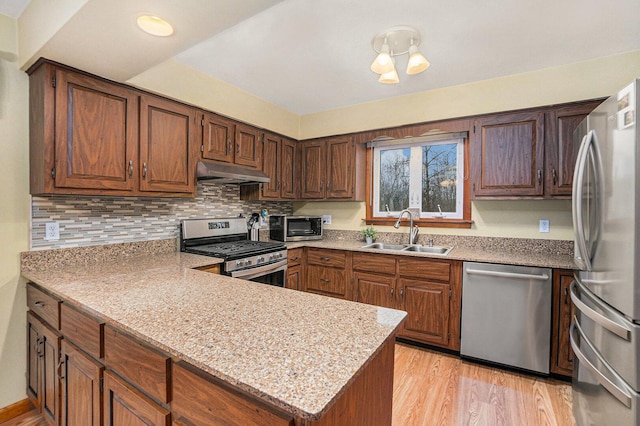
(619, 392)
(578, 223)
(605, 322)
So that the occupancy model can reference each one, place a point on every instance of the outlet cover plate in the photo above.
(51, 231)
(544, 225)
(326, 219)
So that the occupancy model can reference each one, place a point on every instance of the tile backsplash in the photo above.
(89, 221)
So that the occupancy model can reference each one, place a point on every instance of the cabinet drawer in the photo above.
(327, 281)
(427, 269)
(379, 263)
(85, 331)
(200, 399)
(332, 258)
(294, 257)
(143, 366)
(45, 306)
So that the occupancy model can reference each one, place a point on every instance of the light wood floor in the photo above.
(435, 389)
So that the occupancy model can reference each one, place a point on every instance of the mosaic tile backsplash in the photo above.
(90, 221)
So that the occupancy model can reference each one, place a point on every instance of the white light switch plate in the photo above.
(51, 231)
(326, 219)
(544, 225)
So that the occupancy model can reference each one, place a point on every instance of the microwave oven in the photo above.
(295, 228)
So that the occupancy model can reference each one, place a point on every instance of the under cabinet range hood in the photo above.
(209, 172)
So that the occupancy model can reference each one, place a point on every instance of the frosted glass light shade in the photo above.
(417, 63)
(154, 26)
(383, 64)
(389, 77)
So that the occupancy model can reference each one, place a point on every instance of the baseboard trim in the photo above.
(14, 410)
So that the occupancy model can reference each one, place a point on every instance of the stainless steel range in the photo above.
(227, 238)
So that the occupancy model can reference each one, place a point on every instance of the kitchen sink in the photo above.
(385, 246)
(429, 249)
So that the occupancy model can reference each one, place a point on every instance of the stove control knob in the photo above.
(239, 263)
(279, 255)
(260, 259)
(248, 262)
(271, 257)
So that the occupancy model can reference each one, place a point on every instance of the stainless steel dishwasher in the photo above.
(506, 315)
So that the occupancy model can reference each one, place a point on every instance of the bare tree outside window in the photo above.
(439, 171)
(394, 178)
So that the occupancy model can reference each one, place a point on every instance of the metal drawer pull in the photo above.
(605, 322)
(130, 168)
(326, 259)
(616, 391)
(39, 304)
(324, 280)
(542, 277)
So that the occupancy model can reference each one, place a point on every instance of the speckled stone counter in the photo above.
(295, 350)
(508, 251)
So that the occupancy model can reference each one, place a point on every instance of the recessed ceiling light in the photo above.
(155, 26)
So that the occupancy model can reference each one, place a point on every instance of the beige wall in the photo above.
(14, 220)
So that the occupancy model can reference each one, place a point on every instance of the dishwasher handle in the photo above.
(542, 277)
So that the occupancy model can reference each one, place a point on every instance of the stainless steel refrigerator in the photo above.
(605, 331)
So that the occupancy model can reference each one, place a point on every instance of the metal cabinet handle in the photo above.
(40, 350)
(605, 322)
(230, 146)
(566, 293)
(391, 294)
(326, 259)
(144, 170)
(324, 280)
(293, 259)
(621, 394)
(401, 291)
(39, 304)
(539, 176)
(554, 176)
(61, 368)
(237, 148)
(130, 168)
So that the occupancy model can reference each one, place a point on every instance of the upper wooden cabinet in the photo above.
(527, 154)
(230, 142)
(91, 136)
(333, 169)
(279, 163)
(507, 155)
(561, 148)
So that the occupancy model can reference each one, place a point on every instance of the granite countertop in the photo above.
(296, 350)
(522, 252)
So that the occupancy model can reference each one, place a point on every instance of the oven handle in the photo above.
(248, 274)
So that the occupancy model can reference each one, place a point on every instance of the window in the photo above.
(425, 173)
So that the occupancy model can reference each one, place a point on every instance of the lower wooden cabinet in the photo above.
(43, 384)
(293, 277)
(427, 307)
(375, 289)
(328, 273)
(561, 352)
(125, 405)
(81, 392)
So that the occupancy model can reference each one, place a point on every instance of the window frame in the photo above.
(463, 222)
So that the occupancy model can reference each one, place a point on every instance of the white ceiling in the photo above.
(309, 55)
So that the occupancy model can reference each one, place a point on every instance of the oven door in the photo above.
(272, 274)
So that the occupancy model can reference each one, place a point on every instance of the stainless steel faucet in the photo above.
(413, 230)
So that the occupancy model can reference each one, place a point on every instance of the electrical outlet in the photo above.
(544, 225)
(326, 219)
(51, 231)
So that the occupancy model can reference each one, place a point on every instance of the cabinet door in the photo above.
(427, 307)
(561, 147)
(80, 377)
(33, 360)
(340, 168)
(313, 169)
(375, 289)
(126, 406)
(167, 137)
(327, 281)
(96, 133)
(218, 135)
(293, 277)
(561, 352)
(271, 166)
(288, 175)
(508, 155)
(248, 146)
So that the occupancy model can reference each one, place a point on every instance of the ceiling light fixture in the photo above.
(394, 42)
(154, 25)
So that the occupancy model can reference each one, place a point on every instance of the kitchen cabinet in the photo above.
(43, 384)
(429, 290)
(294, 268)
(95, 137)
(279, 163)
(332, 169)
(230, 141)
(167, 137)
(125, 405)
(507, 155)
(327, 273)
(561, 352)
(81, 392)
(561, 148)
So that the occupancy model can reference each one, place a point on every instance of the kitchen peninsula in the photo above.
(203, 348)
